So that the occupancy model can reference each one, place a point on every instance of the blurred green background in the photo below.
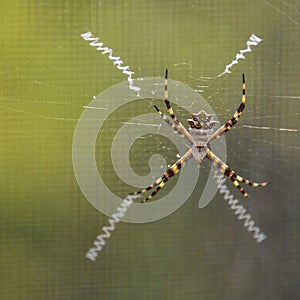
(48, 73)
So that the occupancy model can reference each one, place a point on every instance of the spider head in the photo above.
(201, 127)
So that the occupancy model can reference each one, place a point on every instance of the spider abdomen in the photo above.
(200, 141)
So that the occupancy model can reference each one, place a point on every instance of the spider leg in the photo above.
(171, 113)
(224, 169)
(173, 126)
(229, 124)
(160, 182)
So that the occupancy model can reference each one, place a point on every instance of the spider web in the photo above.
(45, 86)
(270, 121)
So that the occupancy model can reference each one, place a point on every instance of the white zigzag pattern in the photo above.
(88, 36)
(239, 210)
(253, 41)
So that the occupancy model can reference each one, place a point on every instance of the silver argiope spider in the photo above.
(199, 135)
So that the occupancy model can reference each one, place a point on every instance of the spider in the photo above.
(199, 136)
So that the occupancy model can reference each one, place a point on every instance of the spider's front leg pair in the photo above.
(199, 137)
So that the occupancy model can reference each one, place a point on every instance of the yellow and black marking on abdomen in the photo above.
(223, 168)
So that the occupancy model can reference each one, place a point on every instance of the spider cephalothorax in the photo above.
(199, 136)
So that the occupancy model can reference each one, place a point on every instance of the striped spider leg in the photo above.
(174, 127)
(160, 182)
(171, 113)
(229, 124)
(199, 135)
(224, 169)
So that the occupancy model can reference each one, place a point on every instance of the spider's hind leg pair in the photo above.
(199, 136)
